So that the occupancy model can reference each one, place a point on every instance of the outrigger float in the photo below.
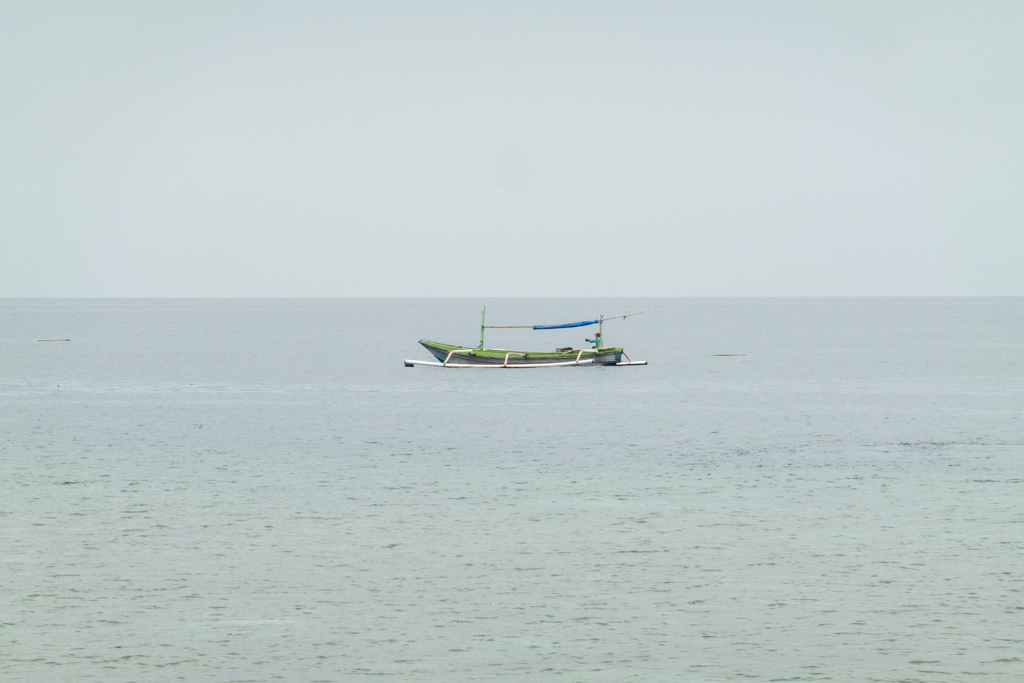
(452, 356)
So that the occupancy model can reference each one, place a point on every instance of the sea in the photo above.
(793, 489)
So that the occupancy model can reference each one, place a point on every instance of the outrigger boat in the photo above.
(452, 356)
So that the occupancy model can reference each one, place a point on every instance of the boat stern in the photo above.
(438, 350)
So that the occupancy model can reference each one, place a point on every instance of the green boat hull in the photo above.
(463, 355)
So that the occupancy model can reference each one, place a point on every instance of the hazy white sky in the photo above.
(511, 148)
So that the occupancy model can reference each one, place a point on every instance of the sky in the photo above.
(488, 149)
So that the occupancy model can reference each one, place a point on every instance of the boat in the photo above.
(456, 356)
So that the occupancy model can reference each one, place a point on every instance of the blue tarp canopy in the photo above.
(583, 323)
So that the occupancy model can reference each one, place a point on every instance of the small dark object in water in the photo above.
(54, 340)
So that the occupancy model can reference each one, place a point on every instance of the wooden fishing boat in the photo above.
(455, 356)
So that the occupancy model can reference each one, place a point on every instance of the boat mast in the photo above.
(483, 317)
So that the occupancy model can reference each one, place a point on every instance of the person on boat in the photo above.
(596, 341)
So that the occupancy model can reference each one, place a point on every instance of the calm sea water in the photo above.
(258, 490)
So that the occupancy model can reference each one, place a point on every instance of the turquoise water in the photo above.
(258, 490)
